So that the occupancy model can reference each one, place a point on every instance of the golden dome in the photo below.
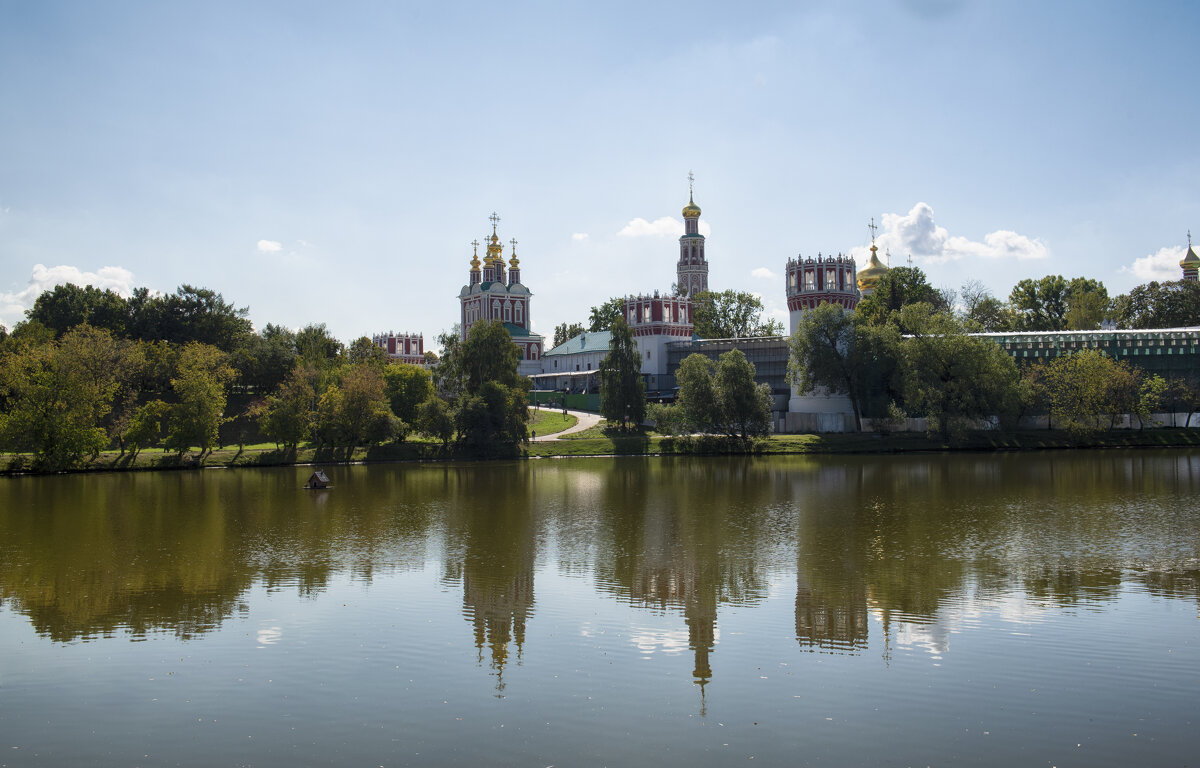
(691, 210)
(1191, 260)
(870, 275)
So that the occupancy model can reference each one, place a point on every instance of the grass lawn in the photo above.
(550, 422)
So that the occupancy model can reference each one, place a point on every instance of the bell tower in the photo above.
(692, 268)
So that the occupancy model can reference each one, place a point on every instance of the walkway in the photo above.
(586, 421)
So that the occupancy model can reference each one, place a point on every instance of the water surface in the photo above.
(928, 610)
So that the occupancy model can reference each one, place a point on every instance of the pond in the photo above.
(884, 610)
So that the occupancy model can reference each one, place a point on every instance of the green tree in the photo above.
(317, 346)
(356, 412)
(1078, 385)
(201, 375)
(490, 410)
(434, 420)
(265, 359)
(697, 397)
(743, 406)
(841, 352)
(1053, 303)
(1174, 304)
(564, 333)
(622, 391)
(981, 311)
(363, 351)
(67, 306)
(731, 314)
(601, 318)
(202, 315)
(287, 416)
(55, 399)
(406, 387)
(145, 426)
(954, 378)
(896, 289)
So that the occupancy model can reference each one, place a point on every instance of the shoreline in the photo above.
(611, 446)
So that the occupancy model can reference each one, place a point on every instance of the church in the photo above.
(490, 294)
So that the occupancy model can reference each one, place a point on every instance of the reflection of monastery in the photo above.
(663, 330)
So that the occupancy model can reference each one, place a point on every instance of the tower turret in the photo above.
(692, 269)
(1191, 262)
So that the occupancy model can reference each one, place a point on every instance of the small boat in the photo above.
(318, 481)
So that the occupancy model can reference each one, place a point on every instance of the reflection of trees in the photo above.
(492, 527)
(94, 555)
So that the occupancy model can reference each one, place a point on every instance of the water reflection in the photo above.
(914, 545)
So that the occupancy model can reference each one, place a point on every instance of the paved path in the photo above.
(586, 420)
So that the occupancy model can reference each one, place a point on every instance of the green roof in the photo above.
(516, 330)
(589, 341)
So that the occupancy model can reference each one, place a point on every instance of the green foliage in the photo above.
(1078, 386)
(492, 417)
(56, 398)
(601, 318)
(406, 388)
(489, 395)
(434, 420)
(202, 373)
(363, 351)
(66, 306)
(564, 333)
(841, 352)
(898, 288)
(722, 398)
(265, 359)
(1173, 304)
(731, 314)
(145, 426)
(953, 378)
(356, 412)
(668, 419)
(622, 391)
(287, 416)
(1053, 303)
(316, 346)
(981, 311)
(202, 315)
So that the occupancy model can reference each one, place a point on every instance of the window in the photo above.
(830, 279)
(520, 312)
(646, 313)
(647, 354)
(810, 282)
(632, 316)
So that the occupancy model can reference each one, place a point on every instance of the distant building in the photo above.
(691, 272)
(403, 347)
(491, 295)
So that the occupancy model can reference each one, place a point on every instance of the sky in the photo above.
(331, 163)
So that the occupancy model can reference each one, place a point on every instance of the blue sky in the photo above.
(331, 163)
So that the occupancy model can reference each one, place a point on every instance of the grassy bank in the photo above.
(600, 442)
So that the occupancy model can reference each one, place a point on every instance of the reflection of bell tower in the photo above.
(832, 618)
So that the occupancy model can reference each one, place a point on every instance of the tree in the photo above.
(55, 399)
(202, 315)
(434, 420)
(697, 398)
(601, 318)
(840, 352)
(622, 391)
(406, 387)
(66, 306)
(731, 314)
(145, 426)
(199, 383)
(564, 333)
(1078, 386)
(1174, 304)
(743, 406)
(952, 377)
(1053, 303)
(981, 311)
(896, 289)
(356, 411)
(287, 416)
(363, 351)
(491, 397)
(317, 346)
(265, 359)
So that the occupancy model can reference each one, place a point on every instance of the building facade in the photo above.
(490, 294)
(402, 347)
(691, 272)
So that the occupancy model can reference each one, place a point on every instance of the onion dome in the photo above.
(691, 210)
(869, 276)
(1191, 260)
(475, 257)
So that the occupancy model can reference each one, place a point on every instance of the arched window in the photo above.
(495, 307)
(520, 310)
(810, 282)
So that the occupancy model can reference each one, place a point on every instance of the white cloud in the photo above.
(269, 246)
(1163, 265)
(664, 227)
(916, 233)
(43, 278)
(579, 236)
(764, 273)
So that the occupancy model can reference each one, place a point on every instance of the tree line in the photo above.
(906, 351)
